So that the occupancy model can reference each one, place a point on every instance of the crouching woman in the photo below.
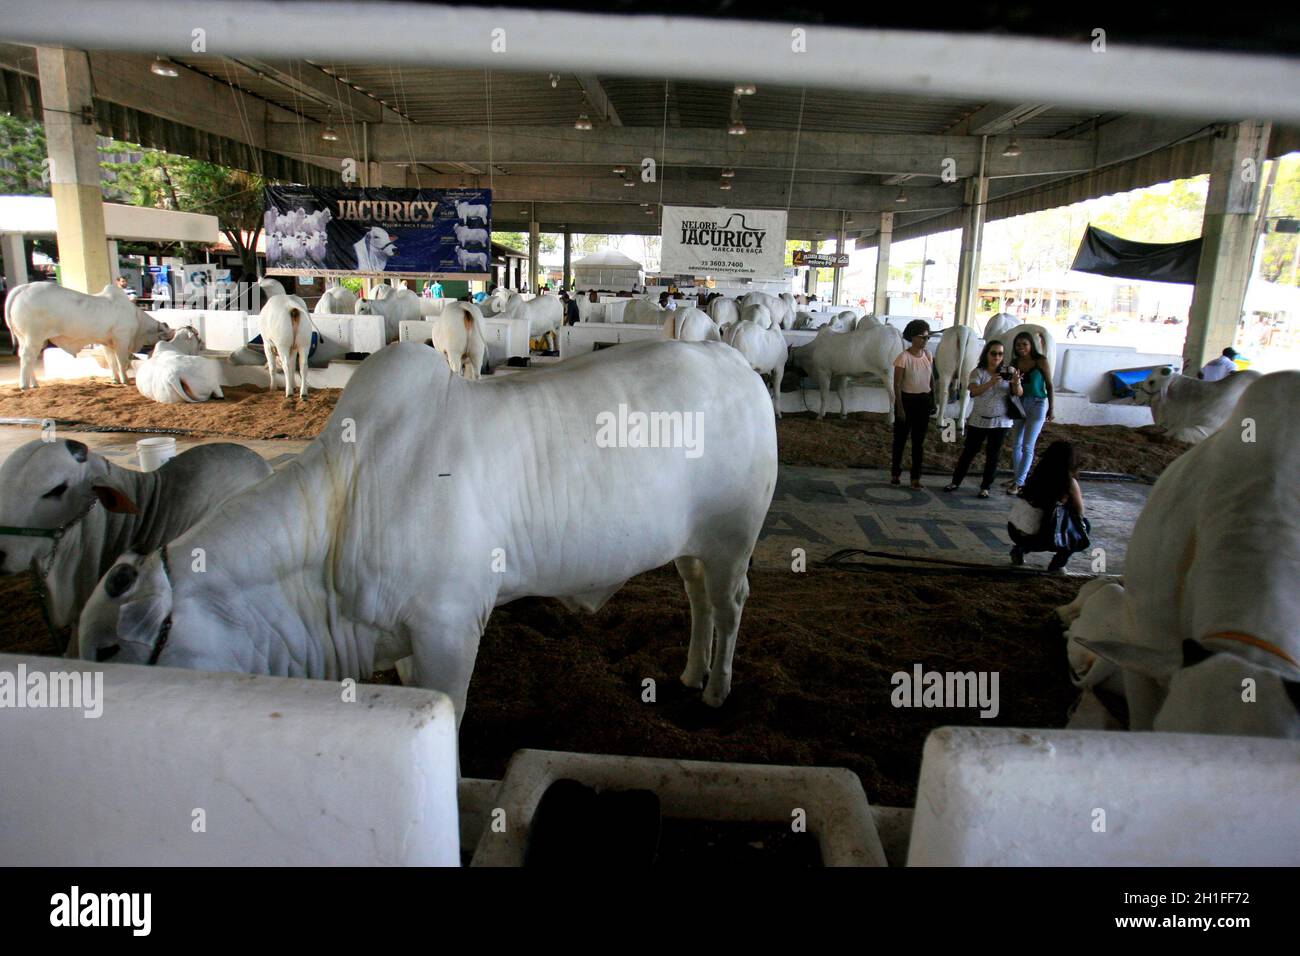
(1048, 514)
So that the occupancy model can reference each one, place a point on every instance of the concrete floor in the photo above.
(818, 509)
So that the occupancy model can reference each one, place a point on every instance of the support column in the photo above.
(1227, 242)
(567, 281)
(114, 268)
(74, 168)
(972, 238)
(880, 303)
(15, 259)
(838, 273)
(533, 237)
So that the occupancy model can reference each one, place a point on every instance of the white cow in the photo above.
(467, 211)
(101, 509)
(1210, 697)
(837, 355)
(175, 372)
(395, 305)
(543, 313)
(41, 312)
(760, 341)
(466, 236)
(725, 312)
(868, 321)
(782, 307)
(1043, 339)
(644, 312)
(432, 307)
(1191, 409)
(346, 547)
(374, 249)
(457, 334)
(690, 325)
(998, 325)
(840, 322)
(479, 260)
(336, 300)
(1215, 554)
(269, 288)
(957, 355)
(286, 333)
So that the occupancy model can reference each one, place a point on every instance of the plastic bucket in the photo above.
(154, 451)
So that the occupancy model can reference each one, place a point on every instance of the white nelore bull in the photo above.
(724, 312)
(269, 288)
(690, 325)
(466, 236)
(644, 312)
(1043, 340)
(336, 300)
(844, 321)
(781, 306)
(395, 305)
(543, 313)
(998, 326)
(1190, 409)
(467, 211)
(760, 341)
(957, 355)
(286, 334)
(1215, 555)
(175, 372)
(339, 563)
(837, 355)
(868, 321)
(92, 510)
(374, 249)
(457, 334)
(41, 312)
(478, 260)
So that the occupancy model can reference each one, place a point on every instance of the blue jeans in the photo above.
(1024, 436)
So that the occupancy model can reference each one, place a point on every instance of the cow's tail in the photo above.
(182, 388)
(10, 298)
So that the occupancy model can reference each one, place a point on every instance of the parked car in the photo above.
(1088, 324)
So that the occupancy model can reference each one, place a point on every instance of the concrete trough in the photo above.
(833, 801)
(1004, 797)
(186, 768)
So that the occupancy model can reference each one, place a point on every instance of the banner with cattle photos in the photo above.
(707, 241)
(438, 233)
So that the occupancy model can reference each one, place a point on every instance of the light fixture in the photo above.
(737, 128)
(725, 184)
(582, 122)
(620, 170)
(1012, 150)
(745, 89)
(555, 80)
(161, 67)
(728, 173)
(901, 197)
(329, 135)
(646, 204)
(628, 182)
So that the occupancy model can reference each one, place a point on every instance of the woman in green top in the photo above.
(1039, 404)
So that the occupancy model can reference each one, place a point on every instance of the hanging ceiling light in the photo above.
(555, 80)
(161, 67)
(728, 173)
(901, 197)
(725, 184)
(329, 135)
(1012, 150)
(745, 89)
(628, 182)
(848, 221)
(620, 171)
(737, 127)
(582, 122)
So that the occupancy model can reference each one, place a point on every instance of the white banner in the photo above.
(707, 241)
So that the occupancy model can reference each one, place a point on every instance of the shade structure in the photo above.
(608, 269)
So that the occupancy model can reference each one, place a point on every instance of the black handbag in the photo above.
(1069, 530)
(1015, 408)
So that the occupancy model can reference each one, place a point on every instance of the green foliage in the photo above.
(22, 157)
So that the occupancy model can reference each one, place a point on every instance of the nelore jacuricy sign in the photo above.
(444, 233)
(706, 241)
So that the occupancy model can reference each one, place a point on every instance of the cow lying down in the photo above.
(395, 534)
(175, 372)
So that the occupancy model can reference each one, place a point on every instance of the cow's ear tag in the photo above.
(114, 500)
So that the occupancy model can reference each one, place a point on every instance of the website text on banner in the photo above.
(703, 241)
(441, 233)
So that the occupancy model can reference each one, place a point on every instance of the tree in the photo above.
(22, 157)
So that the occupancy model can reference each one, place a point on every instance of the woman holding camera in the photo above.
(990, 387)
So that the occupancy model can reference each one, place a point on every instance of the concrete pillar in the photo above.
(567, 281)
(533, 237)
(74, 168)
(114, 268)
(1227, 241)
(15, 259)
(839, 273)
(972, 237)
(880, 304)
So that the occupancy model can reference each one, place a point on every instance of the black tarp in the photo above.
(1109, 255)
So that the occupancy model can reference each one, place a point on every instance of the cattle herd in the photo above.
(431, 497)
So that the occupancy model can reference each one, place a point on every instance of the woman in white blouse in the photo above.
(990, 387)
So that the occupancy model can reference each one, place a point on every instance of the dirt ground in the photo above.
(860, 441)
(811, 684)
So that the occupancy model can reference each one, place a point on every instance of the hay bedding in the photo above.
(812, 670)
(860, 441)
